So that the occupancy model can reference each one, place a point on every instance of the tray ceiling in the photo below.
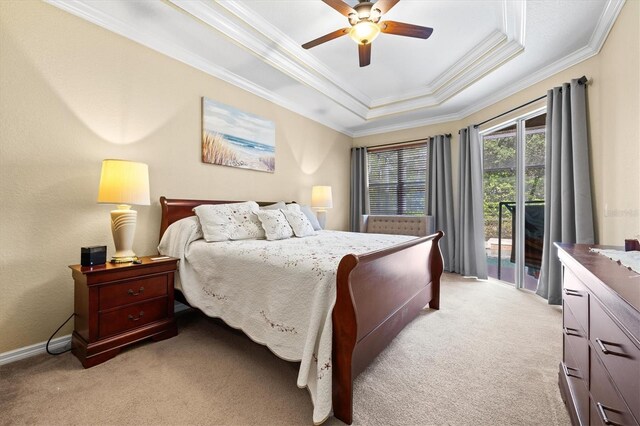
(480, 52)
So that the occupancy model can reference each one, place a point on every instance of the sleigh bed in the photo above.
(377, 294)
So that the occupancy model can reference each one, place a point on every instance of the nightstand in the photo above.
(120, 304)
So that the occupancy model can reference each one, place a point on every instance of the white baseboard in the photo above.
(58, 344)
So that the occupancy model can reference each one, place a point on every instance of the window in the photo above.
(397, 180)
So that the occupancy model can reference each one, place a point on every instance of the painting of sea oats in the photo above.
(234, 138)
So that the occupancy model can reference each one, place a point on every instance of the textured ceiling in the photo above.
(479, 53)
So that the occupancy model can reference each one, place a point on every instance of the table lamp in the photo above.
(321, 200)
(124, 183)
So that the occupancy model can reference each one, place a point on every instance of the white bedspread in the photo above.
(280, 293)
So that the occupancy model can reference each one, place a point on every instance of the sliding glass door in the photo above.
(514, 199)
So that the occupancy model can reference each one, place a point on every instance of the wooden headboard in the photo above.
(174, 209)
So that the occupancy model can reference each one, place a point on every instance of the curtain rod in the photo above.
(403, 142)
(582, 80)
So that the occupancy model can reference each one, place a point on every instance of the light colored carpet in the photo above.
(488, 357)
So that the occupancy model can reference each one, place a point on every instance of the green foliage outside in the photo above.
(500, 176)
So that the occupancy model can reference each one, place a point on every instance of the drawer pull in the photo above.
(572, 332)
(566, 371)
(602, 347)
(607, 351)
(570, 292)
(131, 293)
(603, 415)
(140, 315)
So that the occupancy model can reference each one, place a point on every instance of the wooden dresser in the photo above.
(599, 375)
(120, 304)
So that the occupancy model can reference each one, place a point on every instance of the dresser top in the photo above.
(619, 279)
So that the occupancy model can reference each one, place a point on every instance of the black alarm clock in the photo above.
(94, 255)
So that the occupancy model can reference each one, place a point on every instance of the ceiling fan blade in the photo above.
(325, 38)
(341, 7)
(364, 52)
(385, 5)
(408, 30)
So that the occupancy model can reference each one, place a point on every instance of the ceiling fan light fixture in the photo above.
(364, 32)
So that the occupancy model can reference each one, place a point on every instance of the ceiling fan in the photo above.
(366, 26)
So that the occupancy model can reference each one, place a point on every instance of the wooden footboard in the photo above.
(378, 294)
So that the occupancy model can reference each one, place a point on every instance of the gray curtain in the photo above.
(568, 212)
(359, 203)
(439, 194)
(470, 258)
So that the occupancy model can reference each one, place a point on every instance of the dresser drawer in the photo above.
(576, 344)
(579, 388)
(607, 407)
(618, 354)
(132, 291)
(131, 316)
(576, 296)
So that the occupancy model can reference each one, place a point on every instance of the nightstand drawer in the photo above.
(132, 316)
(132, 291)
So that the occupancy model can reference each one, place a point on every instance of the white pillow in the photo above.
(275, 224)
(222, 222)
(178, 236)
(276, 206)
(311, 216)
(299, 222)
(292, 207)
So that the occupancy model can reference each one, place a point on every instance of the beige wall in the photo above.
(614, 126)
(73, 94)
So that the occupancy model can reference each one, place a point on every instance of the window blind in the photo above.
(397, 180)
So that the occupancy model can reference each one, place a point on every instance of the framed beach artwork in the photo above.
(234, 138)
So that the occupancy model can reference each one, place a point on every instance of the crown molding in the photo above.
(404, 125)
(483, 58)
(490, 62)
(264, 49)
(605, 23)
(283, 42)
(156, 42)
(279, 51)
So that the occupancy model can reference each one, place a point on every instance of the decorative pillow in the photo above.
(299, 222)
(222, 222)
(292, 207)
(275, 224)
(311, 216)
(277, 206)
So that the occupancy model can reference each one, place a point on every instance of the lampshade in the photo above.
(124, 182)
(364, 32)
(321, 197)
